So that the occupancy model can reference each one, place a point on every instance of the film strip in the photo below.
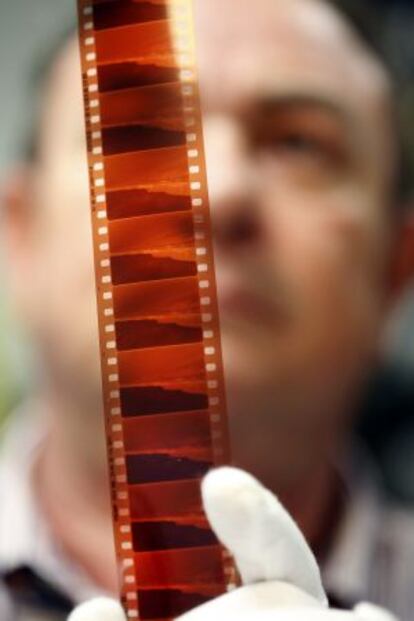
(158, 320)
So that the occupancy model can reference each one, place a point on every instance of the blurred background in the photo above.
(25, 28)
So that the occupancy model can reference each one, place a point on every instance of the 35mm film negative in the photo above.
(158, 319)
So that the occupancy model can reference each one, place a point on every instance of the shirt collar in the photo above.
(346, 571)
(25, 539)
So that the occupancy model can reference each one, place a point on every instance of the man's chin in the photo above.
(244, 386)
(85, 388)
(244, 363)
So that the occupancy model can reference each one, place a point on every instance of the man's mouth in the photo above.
(238, 303)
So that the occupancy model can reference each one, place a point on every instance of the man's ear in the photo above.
(14, 201)
(16, 205)
(402, 269)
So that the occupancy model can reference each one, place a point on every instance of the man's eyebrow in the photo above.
(269, 103)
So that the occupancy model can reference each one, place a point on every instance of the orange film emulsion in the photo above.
(158, 320)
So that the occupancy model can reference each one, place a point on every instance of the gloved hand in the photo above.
(280, 575)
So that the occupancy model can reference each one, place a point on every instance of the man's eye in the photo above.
(299, 144)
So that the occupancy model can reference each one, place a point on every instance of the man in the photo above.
(303, 164)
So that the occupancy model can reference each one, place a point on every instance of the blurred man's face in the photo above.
(299, 158)
(299, 153)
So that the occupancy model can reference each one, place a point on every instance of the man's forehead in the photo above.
(230, 19)
(299, 43)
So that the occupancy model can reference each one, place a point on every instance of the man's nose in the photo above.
(232, 184)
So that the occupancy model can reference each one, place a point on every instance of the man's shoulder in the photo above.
(396, 527)
(392, 567)
(371, 559)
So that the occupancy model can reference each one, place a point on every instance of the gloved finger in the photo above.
(253, 601)
(99, 609)
(279, 614)
(369, 612)
(265, 541)
(277, 601)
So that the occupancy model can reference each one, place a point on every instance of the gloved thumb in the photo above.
(99, 609)
(252, 524)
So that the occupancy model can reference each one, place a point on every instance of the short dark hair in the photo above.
(370, 21)
(365, 20)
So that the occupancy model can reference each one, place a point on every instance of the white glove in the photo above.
(280, 574)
